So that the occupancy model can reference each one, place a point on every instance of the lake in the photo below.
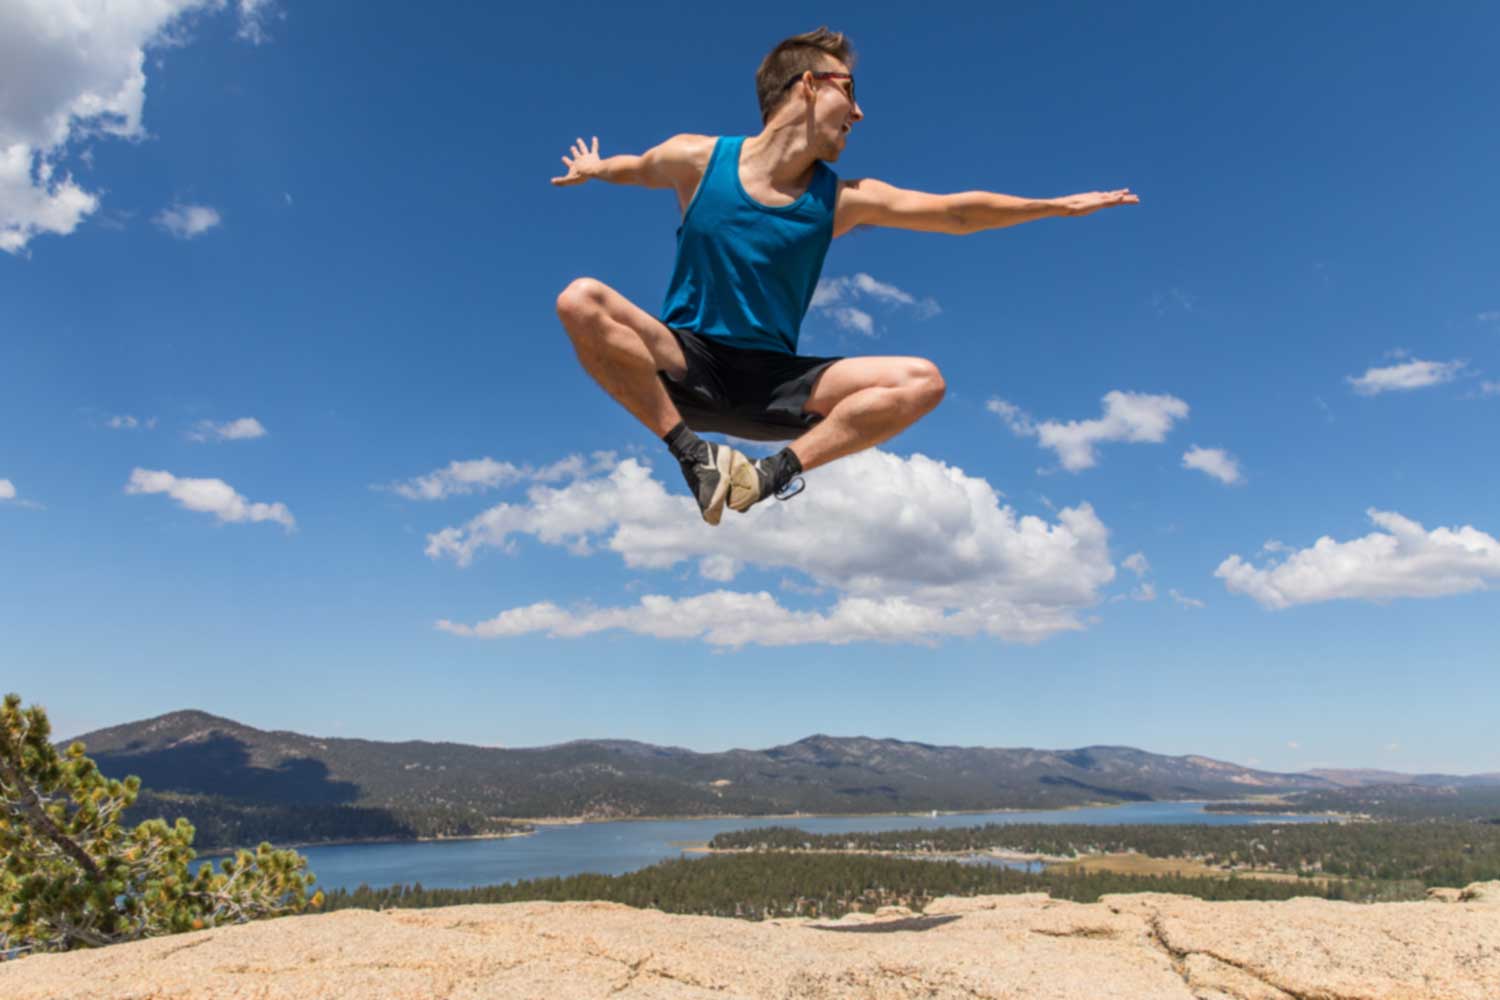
(614, 848)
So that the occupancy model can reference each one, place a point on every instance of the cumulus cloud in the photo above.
(836, 298)
(1488, 388)
(1136, 562)
(7, 490)
(187, 221)
(912, 549)
(1129, 417)
(73, 70)
(210, 496)
(478, 475)
(1216, 462)
(1409, 375)
(243, 429)
(1401, 560)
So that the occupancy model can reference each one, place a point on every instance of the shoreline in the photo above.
(915, 814)
(998, 853)
(545, 821)
(219, 852)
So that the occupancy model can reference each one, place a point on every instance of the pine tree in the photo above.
(73, 876)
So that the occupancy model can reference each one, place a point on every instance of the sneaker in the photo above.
(751, 485)
(712, 478)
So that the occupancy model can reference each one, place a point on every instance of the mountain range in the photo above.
(194, 753)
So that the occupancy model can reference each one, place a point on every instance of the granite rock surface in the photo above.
(1148, 946)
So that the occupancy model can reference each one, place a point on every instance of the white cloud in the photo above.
(1019, 422)
(1128, 416)
(1491, 316)
(211, 496)
(836, 298)
(253, 17)
(1489, 388)
(1216, 462)
(243, 429)
(126, 422)
(187, 221)
(72, 70)
(1402, 560)
(913, 550)
(1293, 745)
(1184, 600)
(1411, 375)
(850, 318)
(8, 495)
(480, 474)
(1145, 590)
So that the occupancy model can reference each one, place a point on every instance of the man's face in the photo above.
(834, 109)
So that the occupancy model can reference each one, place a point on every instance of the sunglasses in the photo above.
(848, 91)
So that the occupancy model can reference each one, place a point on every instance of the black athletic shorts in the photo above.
(758, 395)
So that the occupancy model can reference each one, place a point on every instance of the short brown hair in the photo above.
(791, 58)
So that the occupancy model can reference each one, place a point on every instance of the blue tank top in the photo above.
(745, 271)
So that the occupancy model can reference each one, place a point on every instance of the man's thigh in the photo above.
(843, 378)
(660, 341)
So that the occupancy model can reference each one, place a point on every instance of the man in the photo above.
(758, 215)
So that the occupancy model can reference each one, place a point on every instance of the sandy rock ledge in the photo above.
(1148, 946)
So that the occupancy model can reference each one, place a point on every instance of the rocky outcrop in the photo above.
(1147, 946)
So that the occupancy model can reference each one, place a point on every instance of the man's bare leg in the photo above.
(864, 402)
(623, 347)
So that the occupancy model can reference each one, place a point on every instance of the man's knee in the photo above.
(582, 300)
(927, 382)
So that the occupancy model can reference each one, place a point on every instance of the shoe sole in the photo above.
(744, 484)
(724, 463)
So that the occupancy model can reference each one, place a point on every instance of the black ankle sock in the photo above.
(687, 447)
(783, 467)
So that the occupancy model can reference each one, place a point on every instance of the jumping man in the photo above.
(758, 214)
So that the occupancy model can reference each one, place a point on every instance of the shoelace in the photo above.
(791, 489)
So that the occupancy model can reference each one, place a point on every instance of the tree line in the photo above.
(221, 822)
(1433, 854)
(1404, 803)
(760, 886)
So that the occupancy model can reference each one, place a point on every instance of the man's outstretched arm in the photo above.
(868, 202)
(675, 163)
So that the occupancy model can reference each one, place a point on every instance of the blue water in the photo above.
(618, 847)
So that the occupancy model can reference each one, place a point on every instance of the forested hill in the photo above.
(194, 753)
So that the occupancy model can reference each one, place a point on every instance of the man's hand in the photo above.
(1083, 204)
(583, 164)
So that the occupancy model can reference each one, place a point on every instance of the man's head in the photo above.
(808, 77)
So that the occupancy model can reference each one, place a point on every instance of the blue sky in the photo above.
(1213, 475)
